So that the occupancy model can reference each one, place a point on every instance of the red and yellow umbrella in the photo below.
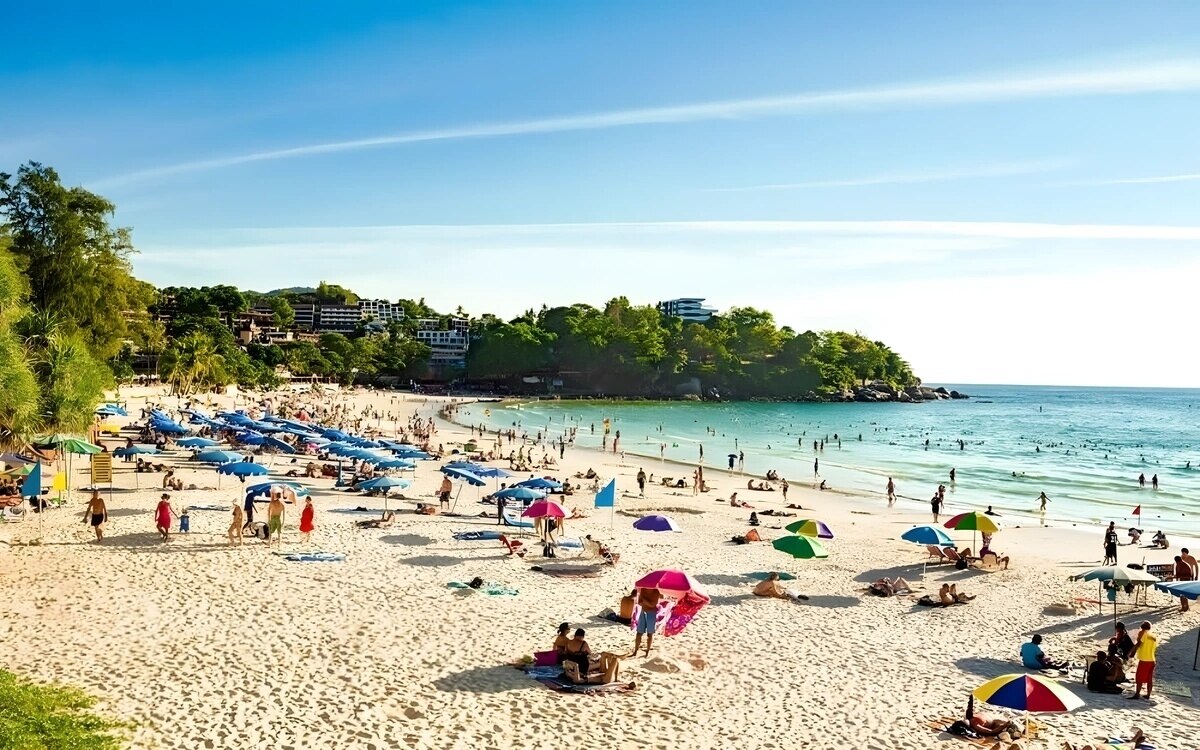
(1023, 692)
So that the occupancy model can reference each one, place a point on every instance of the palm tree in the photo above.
(192, 363)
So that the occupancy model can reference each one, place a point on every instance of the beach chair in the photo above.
(14, 513)
(936, 553)
(989, 563)
(953, 556)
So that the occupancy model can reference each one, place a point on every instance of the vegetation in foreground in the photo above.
(51, 717)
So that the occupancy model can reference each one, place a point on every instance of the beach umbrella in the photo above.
(539, 483)
(394, 463)
(242, 469)
(333, 434)
(113, 409)
(384, 483)
(800, 547)
(405, 451)
(655, 523)
(492, 471)
(669, 581)
(276, 444)
(196, 442)
(250, 438)
(1025, 692)
(524, 494)
(133, 450)
(19, 471)
(927, 535)
(14, 458)
(463, 475)
(218, 457)
(470, 466)
(544, 509)
(77, 446)
(1118, 577)
(341, 449)
(973, 522)
(809, 527)
(1188, 590)
(264, 489)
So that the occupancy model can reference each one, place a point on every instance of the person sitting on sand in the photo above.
(625, 612)
(590, 474)
(1032, 656)
(823, 486)
(1135, 536)
(961, 598)
(561, 640)
(1120, 644)
(753, 516)
(1098, 675)
(576, 650)
(771, 588)
(1160, 540)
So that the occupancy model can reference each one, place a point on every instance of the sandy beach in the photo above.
(200, 645)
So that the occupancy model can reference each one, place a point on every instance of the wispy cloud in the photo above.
(1141, 180)
(1167, 76)
(937, 175)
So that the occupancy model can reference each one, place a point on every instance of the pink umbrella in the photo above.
(544, 509)
(669, 581)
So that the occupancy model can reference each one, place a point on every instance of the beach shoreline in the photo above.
(197, 643)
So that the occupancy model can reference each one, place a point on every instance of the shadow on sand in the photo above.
(431, 561)
(495, 679)
(408, 540)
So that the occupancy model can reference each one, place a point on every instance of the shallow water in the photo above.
(1083, 447)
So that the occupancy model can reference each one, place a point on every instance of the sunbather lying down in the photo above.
(890, 587)
(1136, 739)
(378, 523)
(602, 670)
(947, 596)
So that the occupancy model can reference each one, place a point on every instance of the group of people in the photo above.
(1106, 674)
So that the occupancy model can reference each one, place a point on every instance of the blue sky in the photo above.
(1003, 192)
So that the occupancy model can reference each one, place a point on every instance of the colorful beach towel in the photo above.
(315, 557)
(563, 685)
(476, 536)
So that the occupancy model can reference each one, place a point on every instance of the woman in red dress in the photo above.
(306, 518)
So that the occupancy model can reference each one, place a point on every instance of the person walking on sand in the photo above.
(891, 492)
(1110, 544)
(783, 487)
(641, 480)
(275, 521)
(816, 467)
(444, 492)
(647, 600)
(162, 516)
(1144, 648)
(234, 533)
(936, 503)
(97, 514)
(1042, 499)
(306, 520)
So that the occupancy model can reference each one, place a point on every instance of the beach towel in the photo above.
(210, 507)
(374, 511)
(489, 588)
(688, 606)
(314, 557)
(563, 685)
(568, 572)
(476, 536)
(943, 725)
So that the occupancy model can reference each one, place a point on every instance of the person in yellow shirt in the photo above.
(1145, 648)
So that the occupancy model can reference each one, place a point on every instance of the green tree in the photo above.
(192, 363)
(285, 316)
(19, 395)
(76, 265)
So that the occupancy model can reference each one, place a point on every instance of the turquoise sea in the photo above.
(1083, 447)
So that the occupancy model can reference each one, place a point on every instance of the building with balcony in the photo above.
(338, 318)
(382, 310)
(448, 343)
(690, 309)
(306, 316)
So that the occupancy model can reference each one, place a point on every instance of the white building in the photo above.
(691, 309)
(447, 347)
(338, 318)
(382, 310)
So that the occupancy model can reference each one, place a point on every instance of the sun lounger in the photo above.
(936, 553)
(512, 519)
(953, 556)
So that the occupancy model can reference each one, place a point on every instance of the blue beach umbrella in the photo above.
(264, 489)
(278, 445)
(242, 469)
(395, 463)
(408, 452)
(927, 535)
(218, 457)
(341, 449)
(384, 483)
(521, 493)
(463, 475)
(540, 483)
(134, 450)
(491, 471)
(470, 466)
(250, 438)
(196, 442)
(170, 428)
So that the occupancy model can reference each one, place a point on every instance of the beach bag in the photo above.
(961, 728)
(961, 564)
(545, 658)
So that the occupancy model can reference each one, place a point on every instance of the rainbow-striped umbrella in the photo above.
(1023, 692)
(809, 527)
(972, 522)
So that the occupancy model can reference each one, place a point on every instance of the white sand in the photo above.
(205, 646)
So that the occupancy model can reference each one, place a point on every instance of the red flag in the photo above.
(1137, 511)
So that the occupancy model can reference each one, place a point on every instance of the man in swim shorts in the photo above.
(647, 600)
(275, 520)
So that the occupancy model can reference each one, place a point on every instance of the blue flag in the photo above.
(607, 497)
(32, 486)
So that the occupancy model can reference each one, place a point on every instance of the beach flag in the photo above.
(1137, 511)
(607, 497)
(32, 486)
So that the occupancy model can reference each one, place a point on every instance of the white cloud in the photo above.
(1142, 180)
(1167, 76)
(935, 175)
